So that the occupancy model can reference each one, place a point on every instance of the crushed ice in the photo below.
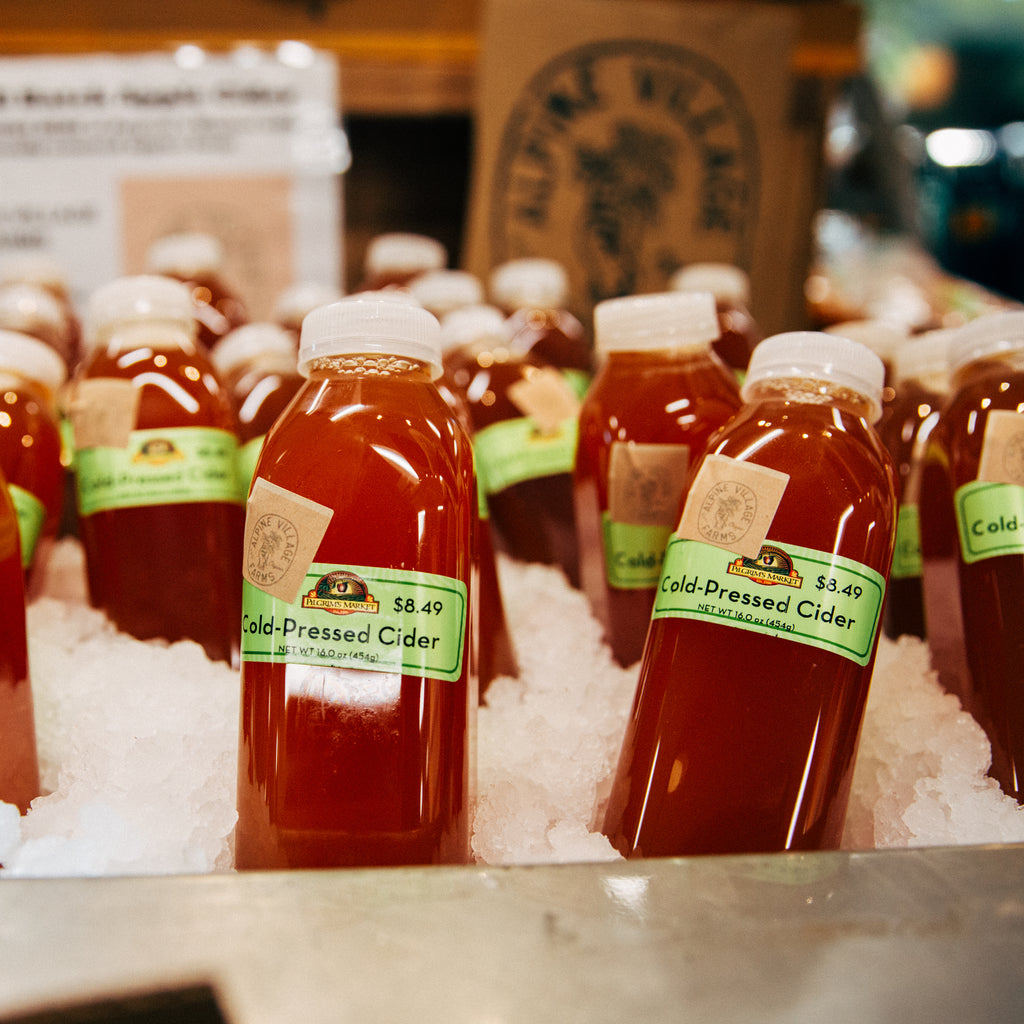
(137, 745)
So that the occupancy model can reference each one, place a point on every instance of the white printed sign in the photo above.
(100, 155)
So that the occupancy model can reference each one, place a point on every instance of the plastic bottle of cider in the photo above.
(658, 396)
(460, 329)
(19, 765)
(358, 700)
(972, 540)
(395, 258)
(533, 293)
(155, 457)
(739, 331)
(525, 420)
(744, 728)
(197, 259)
(921, 386)
(258, 364)
(31, 373)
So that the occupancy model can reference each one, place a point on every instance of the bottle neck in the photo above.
(811, 393)
(1010, 361)
(160, 335)
(364, 365)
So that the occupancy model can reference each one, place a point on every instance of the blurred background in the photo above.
(924, 140)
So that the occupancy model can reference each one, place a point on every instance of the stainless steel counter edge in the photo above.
(911, 935)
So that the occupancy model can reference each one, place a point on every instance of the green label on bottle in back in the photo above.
(906, 561)
(159, 467)
(515, 450)
(633, 554)
(808, 596)
(386, 620)
(248, 456)
(989, 519)
(31, 514)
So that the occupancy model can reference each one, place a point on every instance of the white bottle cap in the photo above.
(399, 252)
(24, 306)
(474, 323)
(642, 323)
(301, 298)
(881, 336)
(987, 335)
(442, 291)
(924, 355)
(529, 283)
(138, 299)
(249, 341)
(727, 282)
(32, 359)
(370, 323)
(819, 356)
(33, 268)
(186, 253)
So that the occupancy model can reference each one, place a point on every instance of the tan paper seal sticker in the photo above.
(732, 504)
(1002, 450)
(645, 482)
(282, 533)
(545, 396)
(103, 411)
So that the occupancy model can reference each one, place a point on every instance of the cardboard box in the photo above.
(629, 137)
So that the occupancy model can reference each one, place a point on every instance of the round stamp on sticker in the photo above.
(727, 513)
(272, 546)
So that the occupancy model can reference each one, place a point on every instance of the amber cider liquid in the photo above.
(19, 766)
(331, 779)
(30, 447)
(741, 742)
(973, 610)
(553, 335)
(651, 398)
(907, 423)
(494, 649)
(170, 571)
(532, 520)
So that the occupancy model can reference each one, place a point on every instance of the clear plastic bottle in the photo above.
(155, 461)
(745, 725)
(19, 764)
(658, 396)
(921, 385)
(395, 258)
(883, 338)
(299, 299)
(258, 364)
(197, 259)
(31, 374)
(730, 285)
(45, 273)
(972, 525)
(461, 329)
(443, 291)
(31, 309)
(358, 699)
(533, 293)
(525, 423)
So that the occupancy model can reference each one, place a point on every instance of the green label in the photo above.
(906, 562)
(633, 555)
(31, 515)
(578, 381)
(159, 467)
(248, 456)
(811, 597)
(514, 450)
(387, 620)
(990, 520)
